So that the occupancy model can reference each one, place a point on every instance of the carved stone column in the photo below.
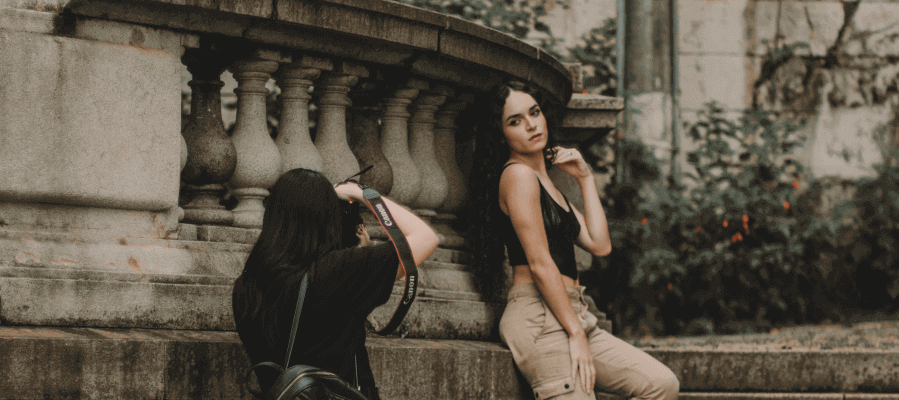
(258, 159)
(293, 141)
(445, 150)
(395, 142)
(211, 156)
(365, 141)
(331, 134)
(421, 145)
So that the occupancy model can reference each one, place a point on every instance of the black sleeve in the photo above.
(358, 279)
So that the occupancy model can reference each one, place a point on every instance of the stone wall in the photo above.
(832, 64)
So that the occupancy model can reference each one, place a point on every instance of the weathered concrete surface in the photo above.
(381, 32)
(94, 363)
(85, 363)
(88, 123)
(783, 371)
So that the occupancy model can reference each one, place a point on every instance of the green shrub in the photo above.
(741, 247)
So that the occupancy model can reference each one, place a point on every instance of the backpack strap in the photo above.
(304, 284)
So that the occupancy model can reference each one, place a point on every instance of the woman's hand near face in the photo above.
(571, 162)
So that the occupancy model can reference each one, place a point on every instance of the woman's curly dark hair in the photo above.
(491, 152)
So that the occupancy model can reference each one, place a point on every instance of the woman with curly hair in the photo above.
(553, 338)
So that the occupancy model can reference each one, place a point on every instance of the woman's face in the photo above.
(524, 125)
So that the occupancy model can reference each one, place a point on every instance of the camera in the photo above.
(350, 220)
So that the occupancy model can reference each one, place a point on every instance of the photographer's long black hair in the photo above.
(490, 154)
(302, 222)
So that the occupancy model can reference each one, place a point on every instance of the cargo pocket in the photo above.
(552, 388)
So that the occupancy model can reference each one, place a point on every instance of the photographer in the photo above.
(302, 233)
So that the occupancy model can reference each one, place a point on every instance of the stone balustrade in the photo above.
(388, 83)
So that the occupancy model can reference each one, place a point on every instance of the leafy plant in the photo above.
(742, 247)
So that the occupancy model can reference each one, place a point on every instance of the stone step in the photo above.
(100, 363)
(771, 396)
(92, 363)
(91, 279)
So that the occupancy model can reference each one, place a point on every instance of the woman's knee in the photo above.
(665, 386)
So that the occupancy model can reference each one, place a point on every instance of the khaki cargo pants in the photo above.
(540, 348)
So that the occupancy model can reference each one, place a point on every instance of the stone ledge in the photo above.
(96, 363)
(391, 33)
(92, 363)
(770, 396)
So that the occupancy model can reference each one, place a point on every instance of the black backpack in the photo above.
(304, 382)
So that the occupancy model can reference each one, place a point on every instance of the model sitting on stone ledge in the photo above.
(553, 338)
(301, 233)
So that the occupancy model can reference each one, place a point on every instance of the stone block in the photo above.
(877, 27)
(713, 27)
(431, 317)
(815, 23)
(227, 234)
(102, 363)
(79, 221)
(356, 20)
(445, 276)
(14, 19)
(132, 35)
(786, 371)
(88, 123)
(842, 141)
(722, 78)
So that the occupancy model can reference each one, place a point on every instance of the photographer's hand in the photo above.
(349, 191)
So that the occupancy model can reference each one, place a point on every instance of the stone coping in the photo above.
(422, 42)
(219, 357)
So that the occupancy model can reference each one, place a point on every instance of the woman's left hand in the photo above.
(572, 163)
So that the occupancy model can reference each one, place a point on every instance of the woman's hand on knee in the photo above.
(582, 362)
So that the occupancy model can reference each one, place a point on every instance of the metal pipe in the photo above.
(675, 171)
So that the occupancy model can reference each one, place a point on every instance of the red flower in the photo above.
(795, 184)
(698, 229)
(643, 221)
(618, 135)
(584, 91)
(669, 286)
(787, 205)
(737, 237)
(725, 223)
(745, 218)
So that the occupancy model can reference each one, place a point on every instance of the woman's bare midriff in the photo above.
(522, 274)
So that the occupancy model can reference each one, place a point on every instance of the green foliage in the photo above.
(596, 51)
(741, 247)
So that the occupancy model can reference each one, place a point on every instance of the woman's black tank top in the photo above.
(562, 230)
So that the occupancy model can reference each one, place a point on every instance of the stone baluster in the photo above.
(365, 141)
(331, 132)
(211, 156)
(445, 150)
(395, 141)
(421, 145)
(258, 159)
(293, 141)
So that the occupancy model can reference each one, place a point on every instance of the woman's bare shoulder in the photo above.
(518, 179)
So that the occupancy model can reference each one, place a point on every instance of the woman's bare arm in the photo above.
(421, 238)
(520, 194)
(594, 235)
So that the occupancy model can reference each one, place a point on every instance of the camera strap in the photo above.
(377, 206)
